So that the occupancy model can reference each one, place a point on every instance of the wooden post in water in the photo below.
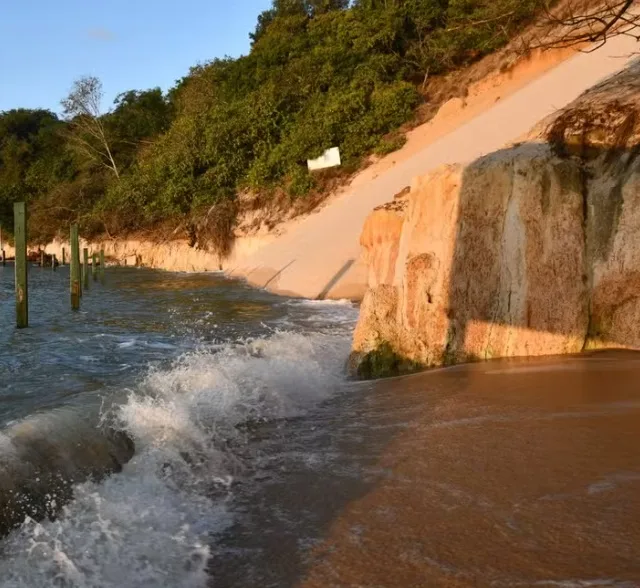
(22, 292)
(85, 268)
(2, 254)
(94, 266)
(53, 261)
(41, 257)
(64, 257)
(4, 257)
(102, 266)
(75, 285)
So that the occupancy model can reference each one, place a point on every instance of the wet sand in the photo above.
(507, 473)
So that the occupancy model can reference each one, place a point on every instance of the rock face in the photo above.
(602, 129)
(533, 250)
(613, 246)
(380, 241)
(605, 117)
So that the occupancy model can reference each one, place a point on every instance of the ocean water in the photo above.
(189, 431)
(124, 427)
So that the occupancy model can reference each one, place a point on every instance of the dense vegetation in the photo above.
(320, 73)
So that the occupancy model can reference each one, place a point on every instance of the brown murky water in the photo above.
(509, 473)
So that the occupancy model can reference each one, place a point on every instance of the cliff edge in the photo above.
(531, 250)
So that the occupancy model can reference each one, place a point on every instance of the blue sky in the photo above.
(134, 44)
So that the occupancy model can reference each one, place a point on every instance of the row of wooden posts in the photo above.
(76, 285)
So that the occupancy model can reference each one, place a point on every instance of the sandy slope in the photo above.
(317, 256)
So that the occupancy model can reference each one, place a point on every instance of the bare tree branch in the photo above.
(572, 25)
(480, 22)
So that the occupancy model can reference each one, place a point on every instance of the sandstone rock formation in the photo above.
(532, 250)
(603, 118)
(380, 240)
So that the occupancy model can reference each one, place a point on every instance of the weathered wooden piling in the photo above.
(4, 257)
(102, 266)
(54, 259)
(64, 256)
(75, 284)
(22, 291)
(85, 268)
(41, 257)
(94, 266)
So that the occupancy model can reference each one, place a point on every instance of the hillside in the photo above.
(320, 255)
(320, 73)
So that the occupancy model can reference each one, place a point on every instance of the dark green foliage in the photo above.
(138, 117)
(33, 159)
(390, 144)
(321, 73)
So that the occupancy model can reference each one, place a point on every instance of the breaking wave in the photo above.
(153, 523)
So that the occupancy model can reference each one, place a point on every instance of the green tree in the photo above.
(33, 158)
(136, 120)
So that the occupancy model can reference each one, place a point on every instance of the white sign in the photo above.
(330, 158)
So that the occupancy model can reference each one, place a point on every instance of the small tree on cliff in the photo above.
(87, 131)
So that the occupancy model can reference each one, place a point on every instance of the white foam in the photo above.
(307, 302)
(149, 525)
(340, 314)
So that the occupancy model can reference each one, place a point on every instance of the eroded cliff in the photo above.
(532, 250)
